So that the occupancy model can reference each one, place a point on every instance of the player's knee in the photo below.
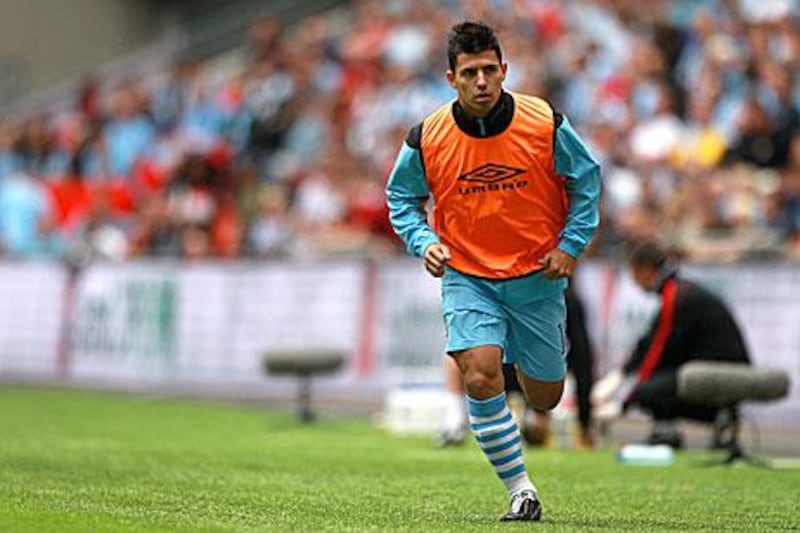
(544, 396)
(545, 402)
(483, 384)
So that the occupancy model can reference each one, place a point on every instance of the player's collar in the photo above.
(494, 123)
(666, 272)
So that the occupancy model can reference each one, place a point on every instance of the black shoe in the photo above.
(536, 436)
(524, 507)
(672, 439)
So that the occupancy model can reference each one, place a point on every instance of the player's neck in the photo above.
(494, 122)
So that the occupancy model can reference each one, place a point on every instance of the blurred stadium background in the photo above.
(186, 185)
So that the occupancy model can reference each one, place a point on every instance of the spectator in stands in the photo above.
(98, 237)
(678, 74)
(72, 198)
(27, 228)
(701, 145)
(268, 93)
(271, 232)
(786, 201)
(760, 142)
(37, 151)
(129, 133)
(154, 234)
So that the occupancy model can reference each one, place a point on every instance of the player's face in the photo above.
(645, 276)
(478, 79)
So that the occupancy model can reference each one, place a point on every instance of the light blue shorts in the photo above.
(525, 316)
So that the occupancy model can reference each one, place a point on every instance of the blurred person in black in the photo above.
(692, 324)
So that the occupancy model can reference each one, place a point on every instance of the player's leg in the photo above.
(495, 429)
(537, 430)
(476, 332)
(514, 397)
(541, 395)
(534, 424)
(490, 418)
(538, 345)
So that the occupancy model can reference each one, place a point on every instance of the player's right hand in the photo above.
(436, 255)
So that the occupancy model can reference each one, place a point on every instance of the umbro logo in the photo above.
(491, 177)
(491, 173)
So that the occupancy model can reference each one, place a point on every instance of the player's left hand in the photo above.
(558, 264)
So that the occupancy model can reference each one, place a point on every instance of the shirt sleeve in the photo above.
(582, 172)
(406, 194)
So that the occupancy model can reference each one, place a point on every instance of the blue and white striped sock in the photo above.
(498, 436)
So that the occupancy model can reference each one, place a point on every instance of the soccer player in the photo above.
(515, 201)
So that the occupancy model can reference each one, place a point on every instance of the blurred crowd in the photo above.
(692, 106)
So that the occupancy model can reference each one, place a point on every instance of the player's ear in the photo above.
(451, 78)
(504, 69)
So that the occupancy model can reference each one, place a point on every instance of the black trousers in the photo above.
(659, 397)
(580, 359)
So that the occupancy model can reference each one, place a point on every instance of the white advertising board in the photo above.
(230, 316)
(211, 323)
(164, 322)
(31, 317)
(411, 334)
(123, 327)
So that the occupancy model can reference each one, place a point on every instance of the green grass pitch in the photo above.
(81, 461)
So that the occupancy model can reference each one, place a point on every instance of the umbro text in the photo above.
(493, 187)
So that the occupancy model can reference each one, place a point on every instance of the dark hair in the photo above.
(471, 38)
(647, 253)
